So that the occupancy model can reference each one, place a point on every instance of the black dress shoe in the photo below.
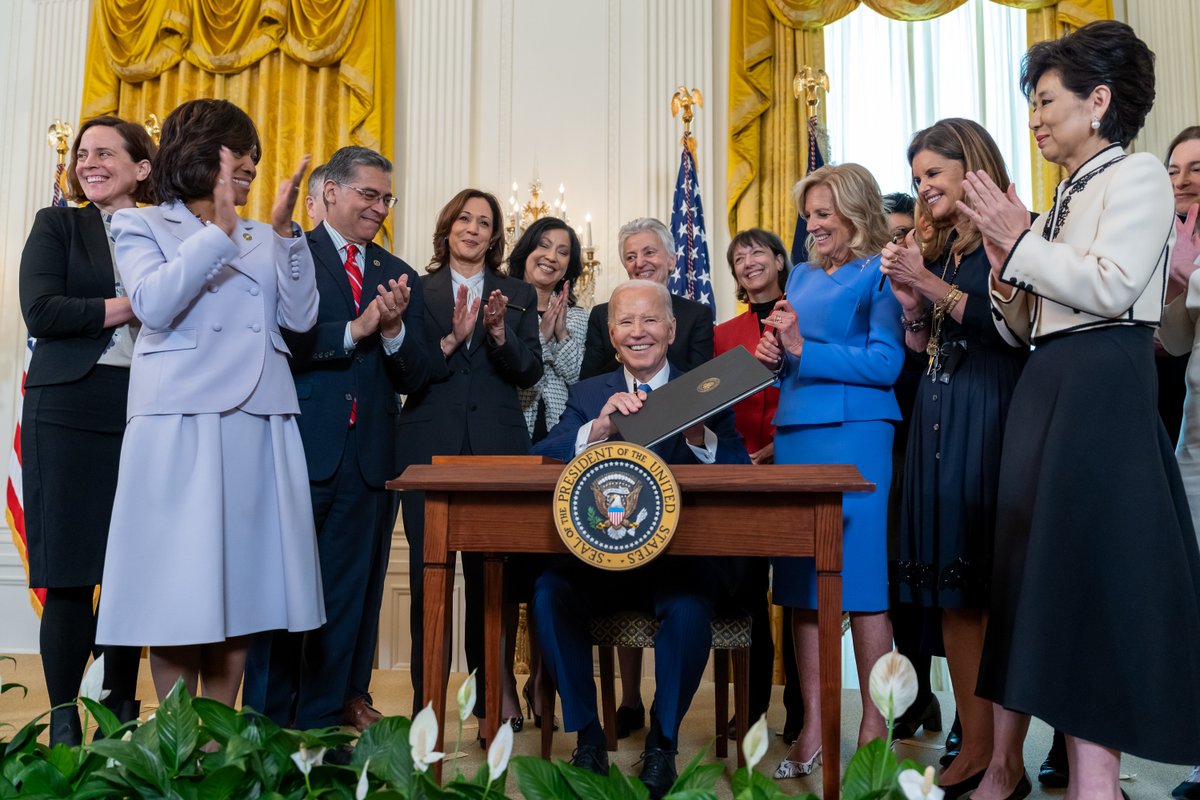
(630, 719)
(658, 771)
(593, 758)
(1190, 788)
(1055, 772)
(65, 727)
(339, 755)
(956, 790)
(927, 715)
(953, 743)
(1022, 789)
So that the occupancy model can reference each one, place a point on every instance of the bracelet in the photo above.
(915, 325)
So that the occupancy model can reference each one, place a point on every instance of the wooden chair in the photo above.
(730, 640)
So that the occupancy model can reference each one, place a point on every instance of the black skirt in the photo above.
(70, 450)
(1095, 617)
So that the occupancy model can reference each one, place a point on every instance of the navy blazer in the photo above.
(66, 275)
(692, 347)
(472, 397)
(585, 400)
(329, 377)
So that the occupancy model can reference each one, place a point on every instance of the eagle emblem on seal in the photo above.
(616, 496)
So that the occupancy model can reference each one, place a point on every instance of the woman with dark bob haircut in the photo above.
(74, 302)
(1096, 566)
(212, 528)
(483, 328)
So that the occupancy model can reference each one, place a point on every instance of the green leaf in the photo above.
(26, 738)
(386, 744)
(42, 778)
(872, 768)
(63, 758)
(220, 721)
(106, 719)
(134, 757)
(586, 784)
(538, 779)
(178, 728)
(220, 783)
(698, 776)
(8, 687)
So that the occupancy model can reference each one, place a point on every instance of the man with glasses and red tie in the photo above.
(366, 348)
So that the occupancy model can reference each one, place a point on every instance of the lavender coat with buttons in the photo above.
(211, 308)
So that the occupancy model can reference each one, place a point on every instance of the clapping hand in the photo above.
(553, 324)
(1000, 216)
(285, 199)
(224, 213)
(903, 263)
(493, 315)
(393, 301)
(1184, 254)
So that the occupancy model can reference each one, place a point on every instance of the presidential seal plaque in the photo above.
(616, 506)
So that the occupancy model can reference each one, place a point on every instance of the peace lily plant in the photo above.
(199, 749)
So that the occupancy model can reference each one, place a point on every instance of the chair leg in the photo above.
(741, 698)
(546, 694)
(721, 701)
(608, 697)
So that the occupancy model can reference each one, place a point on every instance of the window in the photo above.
(890, 79)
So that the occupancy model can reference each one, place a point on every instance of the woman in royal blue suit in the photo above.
(839, 348)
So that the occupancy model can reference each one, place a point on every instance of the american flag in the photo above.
(815, 162)
(691, 277)
(14, 505)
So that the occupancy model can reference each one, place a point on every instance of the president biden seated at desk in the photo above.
(681, 591)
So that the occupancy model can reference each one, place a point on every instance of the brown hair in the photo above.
(856, 199)
(446, 217)
(762, 238)
(969, 144)
(1186, 135)
(138, 145)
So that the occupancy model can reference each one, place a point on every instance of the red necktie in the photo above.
(355, 276)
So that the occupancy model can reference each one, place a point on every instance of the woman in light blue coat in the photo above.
(838, 345)
(212, 530)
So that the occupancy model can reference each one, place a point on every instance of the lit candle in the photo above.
(588, 221)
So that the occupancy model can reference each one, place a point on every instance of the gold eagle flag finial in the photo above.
(808, 82)
(153, 128)
(59, 137)
(683, 100)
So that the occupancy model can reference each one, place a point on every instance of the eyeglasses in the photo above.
(372, 196)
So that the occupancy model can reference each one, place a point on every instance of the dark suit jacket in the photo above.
(66, 275)
(585, 400)
(693, 343)
(472, 395)
(329, 377)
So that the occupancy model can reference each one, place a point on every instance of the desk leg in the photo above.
(439, 588)
(493, 620)
(829, 629)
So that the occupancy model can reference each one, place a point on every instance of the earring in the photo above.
(1095, 122)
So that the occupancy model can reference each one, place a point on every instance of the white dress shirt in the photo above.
(340, 243)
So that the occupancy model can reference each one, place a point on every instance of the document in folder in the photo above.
(695, 396)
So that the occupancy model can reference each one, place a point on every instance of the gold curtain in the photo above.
(768, 137)
(314, 75)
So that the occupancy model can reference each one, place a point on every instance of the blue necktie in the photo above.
(645, 387)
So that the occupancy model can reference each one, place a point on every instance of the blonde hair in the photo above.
(857, 199)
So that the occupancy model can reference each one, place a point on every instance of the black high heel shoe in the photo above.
(527, 693)
(928, 716)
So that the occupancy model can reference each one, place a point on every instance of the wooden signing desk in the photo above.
(500, 505)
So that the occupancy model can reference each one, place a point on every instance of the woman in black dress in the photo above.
(1095, 618)
(952, 468)
(74, 304)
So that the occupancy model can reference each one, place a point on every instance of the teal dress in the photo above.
(836, 406)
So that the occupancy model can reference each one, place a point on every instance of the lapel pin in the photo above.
(247, 236)
(375, 262)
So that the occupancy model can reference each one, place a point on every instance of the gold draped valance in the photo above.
(768, 137)
(313, 74)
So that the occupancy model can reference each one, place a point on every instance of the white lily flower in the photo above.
(500, 751)
(306, 760)
(92, 686)
(754, 746)
(893, 685)
(360, 791)
(466, 697)
(919, 787)
(422, 738)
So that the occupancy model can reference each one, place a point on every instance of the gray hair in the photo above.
(316, 180)
(645, 225)
(660, 291)
(343, 164)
